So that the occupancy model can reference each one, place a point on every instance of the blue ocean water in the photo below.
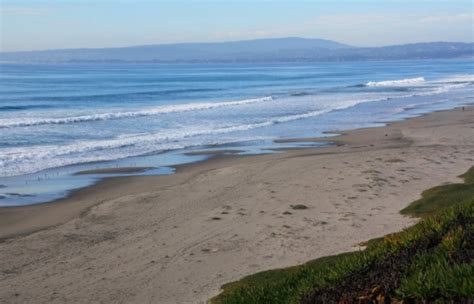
(57, 119)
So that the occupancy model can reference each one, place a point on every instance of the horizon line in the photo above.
(226, 41)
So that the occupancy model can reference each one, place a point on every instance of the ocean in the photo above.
(58, 119)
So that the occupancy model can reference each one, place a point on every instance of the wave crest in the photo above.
(10, 123)
(395, 83)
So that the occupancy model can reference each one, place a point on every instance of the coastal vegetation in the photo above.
(430, 262)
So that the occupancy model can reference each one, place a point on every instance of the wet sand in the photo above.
(178, 238)
(118, 170)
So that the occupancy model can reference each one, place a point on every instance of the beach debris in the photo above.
(394, 160)
(210, 250)
(299, 207)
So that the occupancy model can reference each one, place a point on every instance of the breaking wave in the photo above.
(42, 157)
(9, 123)
(395, 83)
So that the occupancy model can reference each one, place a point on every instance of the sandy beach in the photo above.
(178, 238)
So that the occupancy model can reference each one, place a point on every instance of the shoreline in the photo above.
(211, 201)
(11, 215)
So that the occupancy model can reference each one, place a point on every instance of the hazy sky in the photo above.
(47, 24)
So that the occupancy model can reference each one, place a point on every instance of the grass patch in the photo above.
(441, 197)
(264, 286)
(431, 261)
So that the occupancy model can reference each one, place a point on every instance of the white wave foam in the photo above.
(14, 161)
(9, 123)
(444, 88)
(456, 78)
(396, 83)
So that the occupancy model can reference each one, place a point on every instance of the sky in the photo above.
(54, 24)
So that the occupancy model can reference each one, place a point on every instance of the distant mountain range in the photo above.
(260, 50)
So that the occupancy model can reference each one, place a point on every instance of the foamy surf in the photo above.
(20, 161)
(466, 78)
(176, 108)
(395, 83)
(123, 124)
